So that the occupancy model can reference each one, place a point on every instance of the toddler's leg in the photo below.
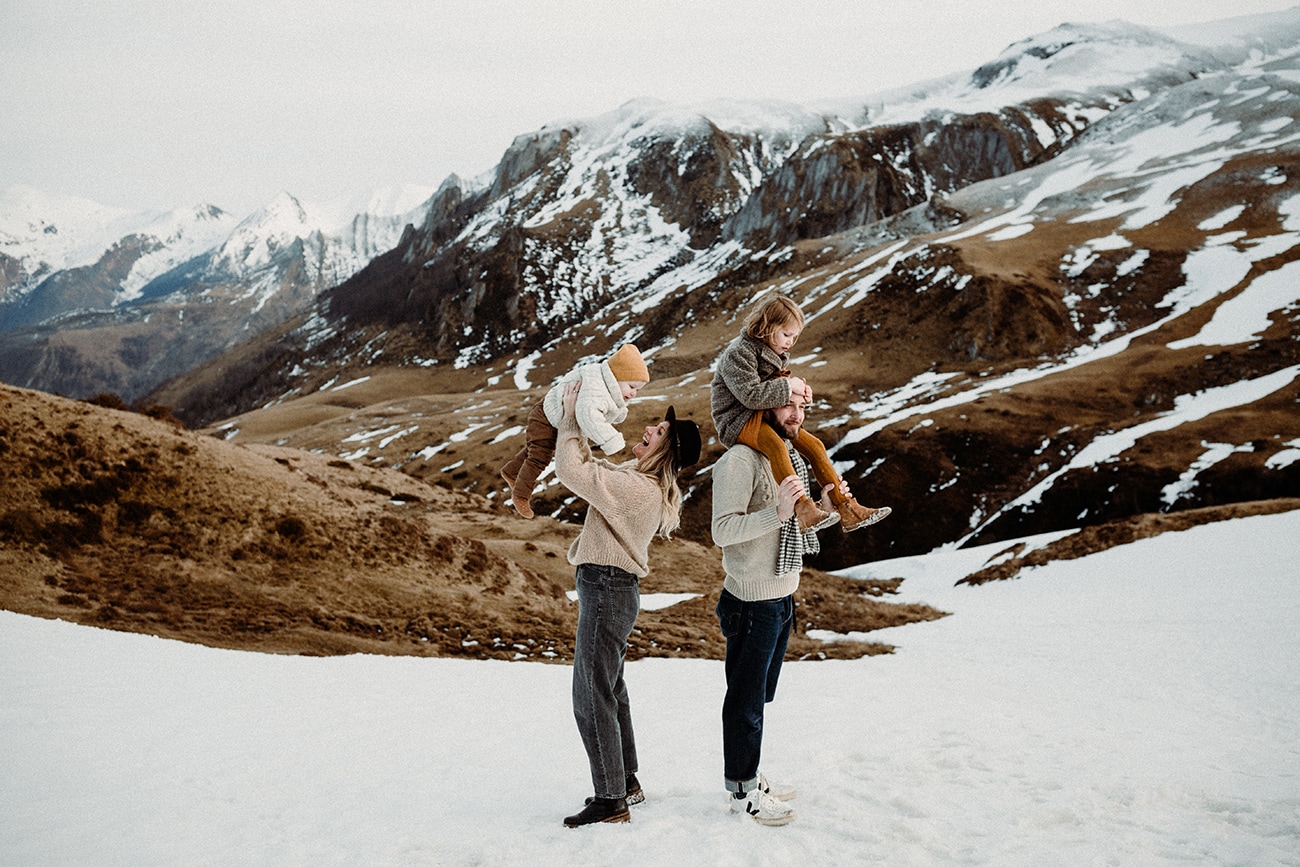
(852, 513)
(812, 449)
(510, 472)
(760, 436)
(539, 448)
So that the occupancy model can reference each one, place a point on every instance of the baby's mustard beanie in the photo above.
(627, 365)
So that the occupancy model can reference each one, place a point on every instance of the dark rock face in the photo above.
(836, 183)
(995, 303)
(532, 269)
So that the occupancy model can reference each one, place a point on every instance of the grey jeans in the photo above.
(609, 599)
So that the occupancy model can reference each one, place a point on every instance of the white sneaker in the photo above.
(763, 808)
(781, 793)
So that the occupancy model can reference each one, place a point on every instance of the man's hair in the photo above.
(770, 314)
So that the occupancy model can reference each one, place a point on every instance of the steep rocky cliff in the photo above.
(1058, 291)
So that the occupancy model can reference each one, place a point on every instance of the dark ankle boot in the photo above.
(634, 795)
(600, 810)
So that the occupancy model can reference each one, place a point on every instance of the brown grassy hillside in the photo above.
(119, 520)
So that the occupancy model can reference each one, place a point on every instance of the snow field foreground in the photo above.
(1138, 706)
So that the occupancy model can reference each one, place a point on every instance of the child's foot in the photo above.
(522, 506)
(810, 515)
(854, 515)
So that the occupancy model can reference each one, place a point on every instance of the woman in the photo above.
(628, 505)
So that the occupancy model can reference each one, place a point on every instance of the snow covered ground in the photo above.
(1138, 706)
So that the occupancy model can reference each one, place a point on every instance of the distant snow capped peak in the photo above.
(396, 201)
(1077, 57)
(1095, 66)
(655, 118)
(334, 216)
(260, 235)
(284, 212)
(54, 232)
(178, 237)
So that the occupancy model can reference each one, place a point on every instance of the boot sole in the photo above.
(632, 799)
(771, 821)
(877, 517)
(616, 819)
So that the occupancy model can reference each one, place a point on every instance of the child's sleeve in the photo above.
(594, 403)
(738, 369)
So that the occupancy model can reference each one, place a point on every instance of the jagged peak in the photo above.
(283, 211)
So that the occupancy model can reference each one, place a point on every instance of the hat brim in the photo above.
(685, 453)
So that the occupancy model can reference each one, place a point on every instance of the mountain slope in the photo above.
(115, 519)
(174, 292)
(1075, 306)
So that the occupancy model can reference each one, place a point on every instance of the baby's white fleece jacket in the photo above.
(600, 405)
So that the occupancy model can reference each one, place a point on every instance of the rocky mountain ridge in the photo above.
(1056, 292)
(81, 314)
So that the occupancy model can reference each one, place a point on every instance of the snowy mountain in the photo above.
(58, 254)
(1056, 290)
(95, 299)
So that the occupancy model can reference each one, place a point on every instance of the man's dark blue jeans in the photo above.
(757, 634)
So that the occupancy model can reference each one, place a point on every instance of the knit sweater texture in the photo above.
(624, 506)
(600, 405)
(744, 382)
(746, 526)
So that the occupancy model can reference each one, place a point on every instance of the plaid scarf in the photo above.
(794, 545)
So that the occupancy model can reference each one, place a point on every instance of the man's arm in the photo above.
(734, 482)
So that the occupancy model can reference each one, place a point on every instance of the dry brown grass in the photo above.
(116, 519)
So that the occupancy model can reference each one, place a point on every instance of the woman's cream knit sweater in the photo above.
(624, 506)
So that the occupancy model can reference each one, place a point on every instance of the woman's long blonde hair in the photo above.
(659, 465)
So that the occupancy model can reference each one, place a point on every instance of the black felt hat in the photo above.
(685, 440)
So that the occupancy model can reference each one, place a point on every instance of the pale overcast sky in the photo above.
(155, 104)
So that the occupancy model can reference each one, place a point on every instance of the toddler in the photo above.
(751, 376)
(606, 388)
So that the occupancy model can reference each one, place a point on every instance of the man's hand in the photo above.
(788, 493)
(570, 398)
(827, 504)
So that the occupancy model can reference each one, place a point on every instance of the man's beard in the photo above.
(780, 429)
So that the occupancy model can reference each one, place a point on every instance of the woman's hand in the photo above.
(570, 398)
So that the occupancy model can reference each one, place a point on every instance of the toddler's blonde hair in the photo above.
(770, 314)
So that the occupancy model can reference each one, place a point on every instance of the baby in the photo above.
(607, 386)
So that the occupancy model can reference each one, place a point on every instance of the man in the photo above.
(762, 554)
